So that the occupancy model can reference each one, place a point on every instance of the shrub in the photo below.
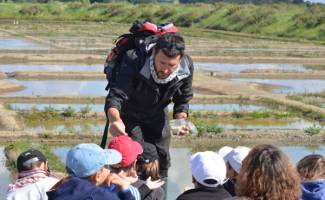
(313, 130)
(85, 110)
(31, 10)
(69, 112)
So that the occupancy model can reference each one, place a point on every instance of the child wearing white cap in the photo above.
(233, 158)
(208, 176)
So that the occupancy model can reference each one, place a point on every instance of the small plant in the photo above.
(313, 130)
(85, 110)
(203, 128)
(237, 114)
(69, 112)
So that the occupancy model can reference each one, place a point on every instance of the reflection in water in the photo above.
(100, 107)
(289, 86)
(224, 67)
(51, 67)
(19, 44)
(5, 176)
(180, 173)
(60, 88)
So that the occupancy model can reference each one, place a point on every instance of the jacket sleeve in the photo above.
(121, 90)
(185, 93)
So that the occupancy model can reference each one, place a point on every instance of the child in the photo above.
(312, 172)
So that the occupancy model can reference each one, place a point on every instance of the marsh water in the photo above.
(289, 86)
(18, 44)
(60, 88)
(222, 67)
(228, 107)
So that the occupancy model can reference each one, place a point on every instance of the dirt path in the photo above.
(100, 58)
(6, 86)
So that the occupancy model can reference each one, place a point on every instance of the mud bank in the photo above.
(100, 58)
(279, 137)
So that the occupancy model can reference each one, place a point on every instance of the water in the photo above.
(60, 88)
(224, 67)
(18, 44)
(52, 67)
(290, 86)
(100, 107)
(180, 173)
(98, 126)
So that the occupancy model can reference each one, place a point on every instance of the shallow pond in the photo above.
(98, 126)
(18, 44)
(289, 86)
(60, 88)
(236, 68)
(52, 67)
(99, 107)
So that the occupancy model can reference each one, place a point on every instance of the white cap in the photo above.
(208, 165)
(236, 157)
(224, 151)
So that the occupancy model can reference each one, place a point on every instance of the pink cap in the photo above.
(128, 148)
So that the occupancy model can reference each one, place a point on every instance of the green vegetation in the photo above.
(205, 128)
(13, 150)
(313, 130)
(300, 21)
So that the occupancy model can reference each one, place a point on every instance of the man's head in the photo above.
(31, 159)
(168, 53)
(91, 161)
(208, 169)
(129, 150)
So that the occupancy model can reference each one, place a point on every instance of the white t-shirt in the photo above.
(33, 191)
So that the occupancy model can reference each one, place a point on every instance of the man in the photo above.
(208, 175)
(137, 102)
(34, 177)
(90, 176)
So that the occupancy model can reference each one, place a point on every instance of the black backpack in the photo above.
(141, 35)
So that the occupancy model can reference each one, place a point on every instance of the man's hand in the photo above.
(185, 129)
(117, 128)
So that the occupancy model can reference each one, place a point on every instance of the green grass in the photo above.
(284, 20)
(14, 149)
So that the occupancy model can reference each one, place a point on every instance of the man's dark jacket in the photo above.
(205, 193)
(136, 95)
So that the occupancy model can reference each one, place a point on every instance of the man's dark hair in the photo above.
(171, 44)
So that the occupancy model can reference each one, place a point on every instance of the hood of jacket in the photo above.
(313, 190)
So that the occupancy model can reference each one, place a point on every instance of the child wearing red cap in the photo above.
(130, 150)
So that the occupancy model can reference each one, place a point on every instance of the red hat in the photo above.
(129, 149)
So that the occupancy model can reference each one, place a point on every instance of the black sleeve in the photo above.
(185, 93)
(121, 90)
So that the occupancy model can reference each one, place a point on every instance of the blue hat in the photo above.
(86, 159)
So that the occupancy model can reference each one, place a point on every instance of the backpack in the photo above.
(141, 36)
